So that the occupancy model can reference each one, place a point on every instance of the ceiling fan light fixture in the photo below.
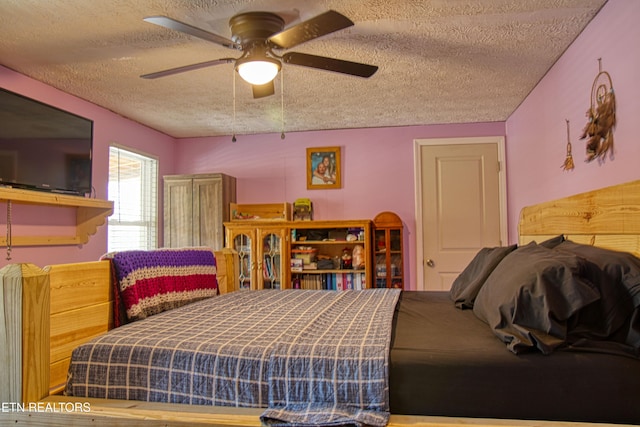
(258, 71)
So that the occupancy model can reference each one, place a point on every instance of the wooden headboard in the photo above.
(608, 217)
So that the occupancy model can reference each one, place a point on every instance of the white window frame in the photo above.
(136, 229)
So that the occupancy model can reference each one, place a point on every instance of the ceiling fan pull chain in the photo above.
(233, 127)
(282, 102)
(8, 230)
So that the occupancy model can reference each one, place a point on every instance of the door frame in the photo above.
(502, 183)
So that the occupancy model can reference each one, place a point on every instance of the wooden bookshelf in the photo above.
(90, 214)
(265, 249)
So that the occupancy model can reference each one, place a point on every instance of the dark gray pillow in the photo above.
(619, 286)
(529, 297)
(621, 267)
(466, 286)
(553, 242)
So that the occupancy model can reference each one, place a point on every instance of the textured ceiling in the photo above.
(440, 61)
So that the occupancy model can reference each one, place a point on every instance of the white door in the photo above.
(461, 206)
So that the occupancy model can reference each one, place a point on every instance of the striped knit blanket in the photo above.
(150, 282)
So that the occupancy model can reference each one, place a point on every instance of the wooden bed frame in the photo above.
(76, 306)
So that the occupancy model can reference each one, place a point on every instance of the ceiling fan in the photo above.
(257, 35)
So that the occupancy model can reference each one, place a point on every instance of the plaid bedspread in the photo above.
(309, 357)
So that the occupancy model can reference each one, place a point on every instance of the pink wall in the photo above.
(377, 170)
(378, 163)
(536, 132)
(108, 128)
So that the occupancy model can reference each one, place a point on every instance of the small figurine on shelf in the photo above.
(302, 210)
(357, 257)
(346, 258)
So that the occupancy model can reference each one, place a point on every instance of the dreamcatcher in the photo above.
(601, 117)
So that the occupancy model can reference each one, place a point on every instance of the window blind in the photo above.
(133, 188)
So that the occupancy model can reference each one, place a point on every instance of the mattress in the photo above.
(310, 357)
(446, 362)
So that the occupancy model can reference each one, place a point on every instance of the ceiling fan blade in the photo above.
(172, 24)
(329, 64)
(260, 91)
(187, 68)
(318, 26)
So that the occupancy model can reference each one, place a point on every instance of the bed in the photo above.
(436, 380)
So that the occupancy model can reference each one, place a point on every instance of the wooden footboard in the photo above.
(81, 308)
(68, 306)
(72, 305)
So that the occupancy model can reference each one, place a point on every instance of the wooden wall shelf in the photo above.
(90, 214)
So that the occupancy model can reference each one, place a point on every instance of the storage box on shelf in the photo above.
(302, 254)
(260, 212)
(306, 254)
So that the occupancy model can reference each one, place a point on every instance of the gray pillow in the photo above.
(466, 286)
(532, 293)
(621, 267)
(553, 242)
(619, 286)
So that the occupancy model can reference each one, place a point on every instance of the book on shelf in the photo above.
(310, 266)
(297, 265)
(270, 270)
(331, 281)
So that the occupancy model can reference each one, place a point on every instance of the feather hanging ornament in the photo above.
(601, 118)
(568, 161)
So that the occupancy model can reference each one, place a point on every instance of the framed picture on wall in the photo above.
(323, 168)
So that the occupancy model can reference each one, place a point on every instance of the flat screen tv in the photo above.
(43, 147)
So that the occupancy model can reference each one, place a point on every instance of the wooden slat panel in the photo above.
(81, 308)
(35, 333)
(11, 333)
(114, 413)
(72, 328)
(612, 210)
(58, 375)
(616, 242)
(227, 270)
(78, 285)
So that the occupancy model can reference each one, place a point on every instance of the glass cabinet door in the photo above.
(387, 250)
(395, 255)
(271, 261)
(243, 245)
(261, 255)
(380, 251)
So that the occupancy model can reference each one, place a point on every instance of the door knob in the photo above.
(430, 263)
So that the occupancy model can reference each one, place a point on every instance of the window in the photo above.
(133, 188)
